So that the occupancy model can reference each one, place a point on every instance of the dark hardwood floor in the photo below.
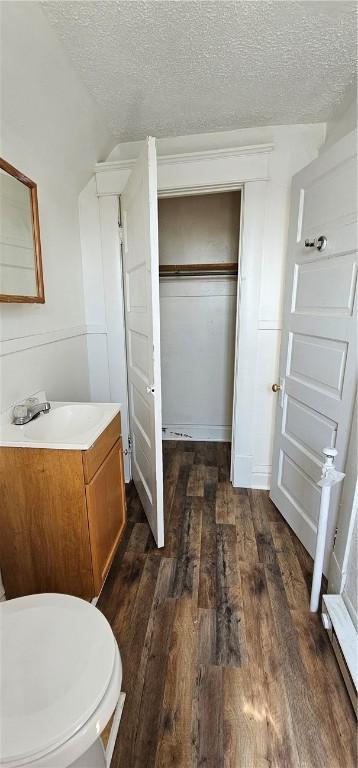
(223, 665)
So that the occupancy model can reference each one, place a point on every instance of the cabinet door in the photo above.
(106, 510)
(44, 539)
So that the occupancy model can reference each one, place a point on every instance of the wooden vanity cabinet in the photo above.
(105, 500)
(62, 515)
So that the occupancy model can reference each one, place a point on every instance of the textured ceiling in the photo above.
(173, 67)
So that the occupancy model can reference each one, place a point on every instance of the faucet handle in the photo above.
(20, 411)
(30, 401)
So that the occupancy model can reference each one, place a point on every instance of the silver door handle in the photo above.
(319, 242)
(150, 389)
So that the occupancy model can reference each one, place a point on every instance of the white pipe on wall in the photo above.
(329, 478)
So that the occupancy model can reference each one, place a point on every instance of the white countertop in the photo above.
(65, 430)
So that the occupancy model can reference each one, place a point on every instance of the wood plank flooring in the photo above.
(223, 665)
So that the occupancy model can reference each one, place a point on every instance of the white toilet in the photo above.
(61, 676)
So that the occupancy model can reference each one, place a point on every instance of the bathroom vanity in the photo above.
(63, 509)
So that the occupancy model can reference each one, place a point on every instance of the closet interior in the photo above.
(198, 270)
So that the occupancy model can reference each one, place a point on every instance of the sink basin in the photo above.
(64, 423)
(67, 426)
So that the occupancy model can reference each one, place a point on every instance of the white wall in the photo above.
(94, 297)
(197, 334)
(342, 576)
(350, 592)
(199, 229)
(50, 130)
(293, 148)
(104, 303)
(344, 120)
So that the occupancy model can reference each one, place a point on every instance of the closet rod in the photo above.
(187, 270)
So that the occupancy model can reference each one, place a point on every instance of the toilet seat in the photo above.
(61, 677)
(66, 754)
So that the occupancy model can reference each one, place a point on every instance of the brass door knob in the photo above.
(275, 387)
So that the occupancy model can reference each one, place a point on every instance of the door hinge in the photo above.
(335, 537)
(128, 450)
(282, 391)
(122, 229)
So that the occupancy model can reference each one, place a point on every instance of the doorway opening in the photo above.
(199, 236)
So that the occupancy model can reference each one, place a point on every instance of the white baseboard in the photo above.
(197, 432)
(242, 471)
(345, 631)
(351, 609)
(261, 477)
(245, 475)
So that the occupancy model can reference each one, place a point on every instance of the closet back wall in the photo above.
(198, 316)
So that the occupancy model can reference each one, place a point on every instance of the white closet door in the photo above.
(141, 291)
(318, 353)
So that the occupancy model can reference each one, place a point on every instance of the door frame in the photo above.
(212, 190)
(245, 168)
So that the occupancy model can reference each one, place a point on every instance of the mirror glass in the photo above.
(20, 253)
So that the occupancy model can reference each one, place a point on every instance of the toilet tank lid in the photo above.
(57, 659)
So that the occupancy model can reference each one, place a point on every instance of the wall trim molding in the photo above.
(261, 477)
(197, 432)
(21, 343)
(241, 470)
(344, 629)
(247, 475)
(198, 189)
(187, 157)
(201, 171)
(270, 325)
(96, 329)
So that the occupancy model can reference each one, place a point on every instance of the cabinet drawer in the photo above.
(93, 458)
(106, 510)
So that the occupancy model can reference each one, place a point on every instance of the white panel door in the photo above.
(318, 366)
(139, 211)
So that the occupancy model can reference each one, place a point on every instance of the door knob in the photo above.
(319, 242)
(276, 387)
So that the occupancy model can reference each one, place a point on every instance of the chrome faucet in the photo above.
(25, 412)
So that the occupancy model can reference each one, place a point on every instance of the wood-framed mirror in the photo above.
(21, 277)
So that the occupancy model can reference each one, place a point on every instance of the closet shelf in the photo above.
(185, 270)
